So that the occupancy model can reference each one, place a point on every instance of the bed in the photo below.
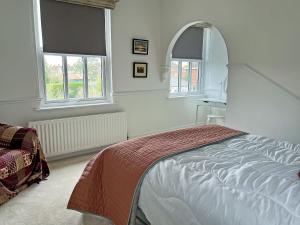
(208, 175)
(248, 180)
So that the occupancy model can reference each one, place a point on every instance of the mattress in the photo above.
(249, 180)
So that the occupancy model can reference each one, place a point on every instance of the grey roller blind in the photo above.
(190, 44)
(72, 29)
(108, 4)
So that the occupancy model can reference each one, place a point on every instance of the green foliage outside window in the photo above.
(55, 82)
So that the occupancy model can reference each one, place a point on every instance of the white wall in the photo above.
(266, 109)
(136, 19)
(17, 52)
(144, 100)
(262, 34)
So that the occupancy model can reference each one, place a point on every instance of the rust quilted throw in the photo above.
(109, 182)
(22, 161)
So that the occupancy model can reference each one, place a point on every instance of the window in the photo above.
(186, 63)
(74, 53)
(197, 62)
(185, 77)
(73, 77)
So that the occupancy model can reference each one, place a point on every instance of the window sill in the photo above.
(53, 106)
(202, 98)
(174, 96)
(214, 100)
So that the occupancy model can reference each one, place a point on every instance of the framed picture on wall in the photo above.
(140, 70)
(140, 46)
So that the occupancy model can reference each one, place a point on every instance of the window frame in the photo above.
(106, 67)
(85, 78)
(204, 76)
(199, 91)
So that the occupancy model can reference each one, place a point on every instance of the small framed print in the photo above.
(140, 46)
(140, 70)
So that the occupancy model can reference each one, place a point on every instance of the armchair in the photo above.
(22, 161)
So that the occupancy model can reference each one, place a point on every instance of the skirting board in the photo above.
(75, 154)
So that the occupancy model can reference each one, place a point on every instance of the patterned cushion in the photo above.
(12, 161)
(18, 138)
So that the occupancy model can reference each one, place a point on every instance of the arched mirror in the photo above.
(196, 63)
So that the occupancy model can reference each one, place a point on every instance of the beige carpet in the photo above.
(45, 203)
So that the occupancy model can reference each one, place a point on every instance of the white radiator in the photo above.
(71, 135)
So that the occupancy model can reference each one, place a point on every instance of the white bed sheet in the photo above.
(249, 180)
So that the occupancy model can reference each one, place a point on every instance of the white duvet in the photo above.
(249, 180)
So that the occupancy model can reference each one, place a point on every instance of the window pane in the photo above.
(54, 79)
(75, 76)
(174, 77)
(195, 77)
(185, 76)
(94, 68)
